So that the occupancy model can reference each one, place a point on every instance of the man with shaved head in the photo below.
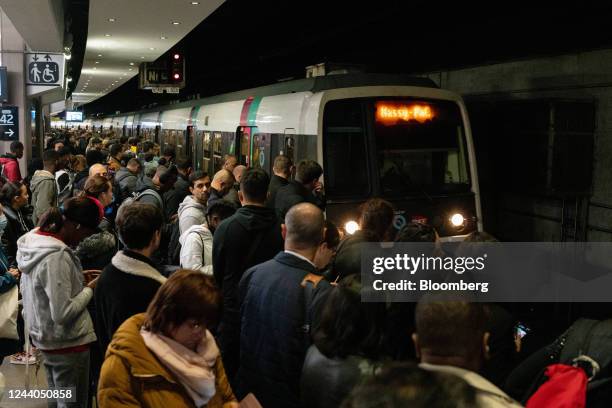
(251, 236)
(277, 310)
(221, 184)
(232, 194)
(98, 170)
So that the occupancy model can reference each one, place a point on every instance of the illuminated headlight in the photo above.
(351, 227)
(457, 220)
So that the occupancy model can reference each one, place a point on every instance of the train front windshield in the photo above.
(420, 147)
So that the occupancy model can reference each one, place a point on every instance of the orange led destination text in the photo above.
(389, 114)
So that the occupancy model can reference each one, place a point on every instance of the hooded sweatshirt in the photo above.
(190, 213)
(196, 249)
(54, 299)
(44, 193)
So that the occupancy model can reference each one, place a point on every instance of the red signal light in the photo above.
(176, 56)
(177, 76)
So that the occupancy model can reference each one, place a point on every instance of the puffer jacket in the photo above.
(54, 299)
(196, 249)
(132, 376)
(10, 167)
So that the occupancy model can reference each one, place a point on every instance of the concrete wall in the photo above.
(585, 75)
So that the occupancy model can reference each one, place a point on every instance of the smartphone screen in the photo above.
(522, 330)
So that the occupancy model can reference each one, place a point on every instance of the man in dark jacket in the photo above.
(174, 197)
(251, 236)
(127, 285)
(282, 172)
(304, 188)
(277, 311)
(9, 163)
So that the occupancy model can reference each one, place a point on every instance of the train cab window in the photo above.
(420, 147)
(344, 149)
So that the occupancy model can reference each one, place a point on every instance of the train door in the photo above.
(157, 135)
(217, 152)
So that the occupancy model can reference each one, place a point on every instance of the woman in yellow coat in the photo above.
(167, 357)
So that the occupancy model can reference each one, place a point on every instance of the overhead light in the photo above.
(142, 57)
(111, 20)
(99, 55)
(195, 3)
(152, 49)
(131, 69)
(107, 35)
(163, 37)
(131, 63)
(97, 62)
(175, 23)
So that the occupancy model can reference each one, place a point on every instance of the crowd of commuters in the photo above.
(147, 283)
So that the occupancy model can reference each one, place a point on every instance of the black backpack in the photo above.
(174, 246)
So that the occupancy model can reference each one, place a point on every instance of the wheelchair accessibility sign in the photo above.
(45, 69)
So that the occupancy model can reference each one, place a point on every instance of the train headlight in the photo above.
(457, 220)
(351, 227)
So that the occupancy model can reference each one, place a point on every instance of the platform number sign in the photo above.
(45, 69)
(9, 125)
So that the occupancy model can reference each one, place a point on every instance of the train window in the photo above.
(217, 156)
(244, 148)
(290, 147)
(422, 155)
(344, 144)
(260, 155)
(206, 141)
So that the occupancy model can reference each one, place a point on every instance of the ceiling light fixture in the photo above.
(176, 23)
(131, 63)
(97, 62)
(195, 3)
(111, 20)
(107, 35)
(131, 69)
(99, 55)
(152, 49)
(163, 37)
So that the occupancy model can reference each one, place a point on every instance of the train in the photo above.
(390, 136)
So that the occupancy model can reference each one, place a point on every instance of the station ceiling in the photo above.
(123, 33)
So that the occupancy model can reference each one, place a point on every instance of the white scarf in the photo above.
(193, 369)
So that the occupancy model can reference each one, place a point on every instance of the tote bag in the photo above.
(8, 314)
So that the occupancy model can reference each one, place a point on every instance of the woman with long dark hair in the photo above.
(14, 198)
